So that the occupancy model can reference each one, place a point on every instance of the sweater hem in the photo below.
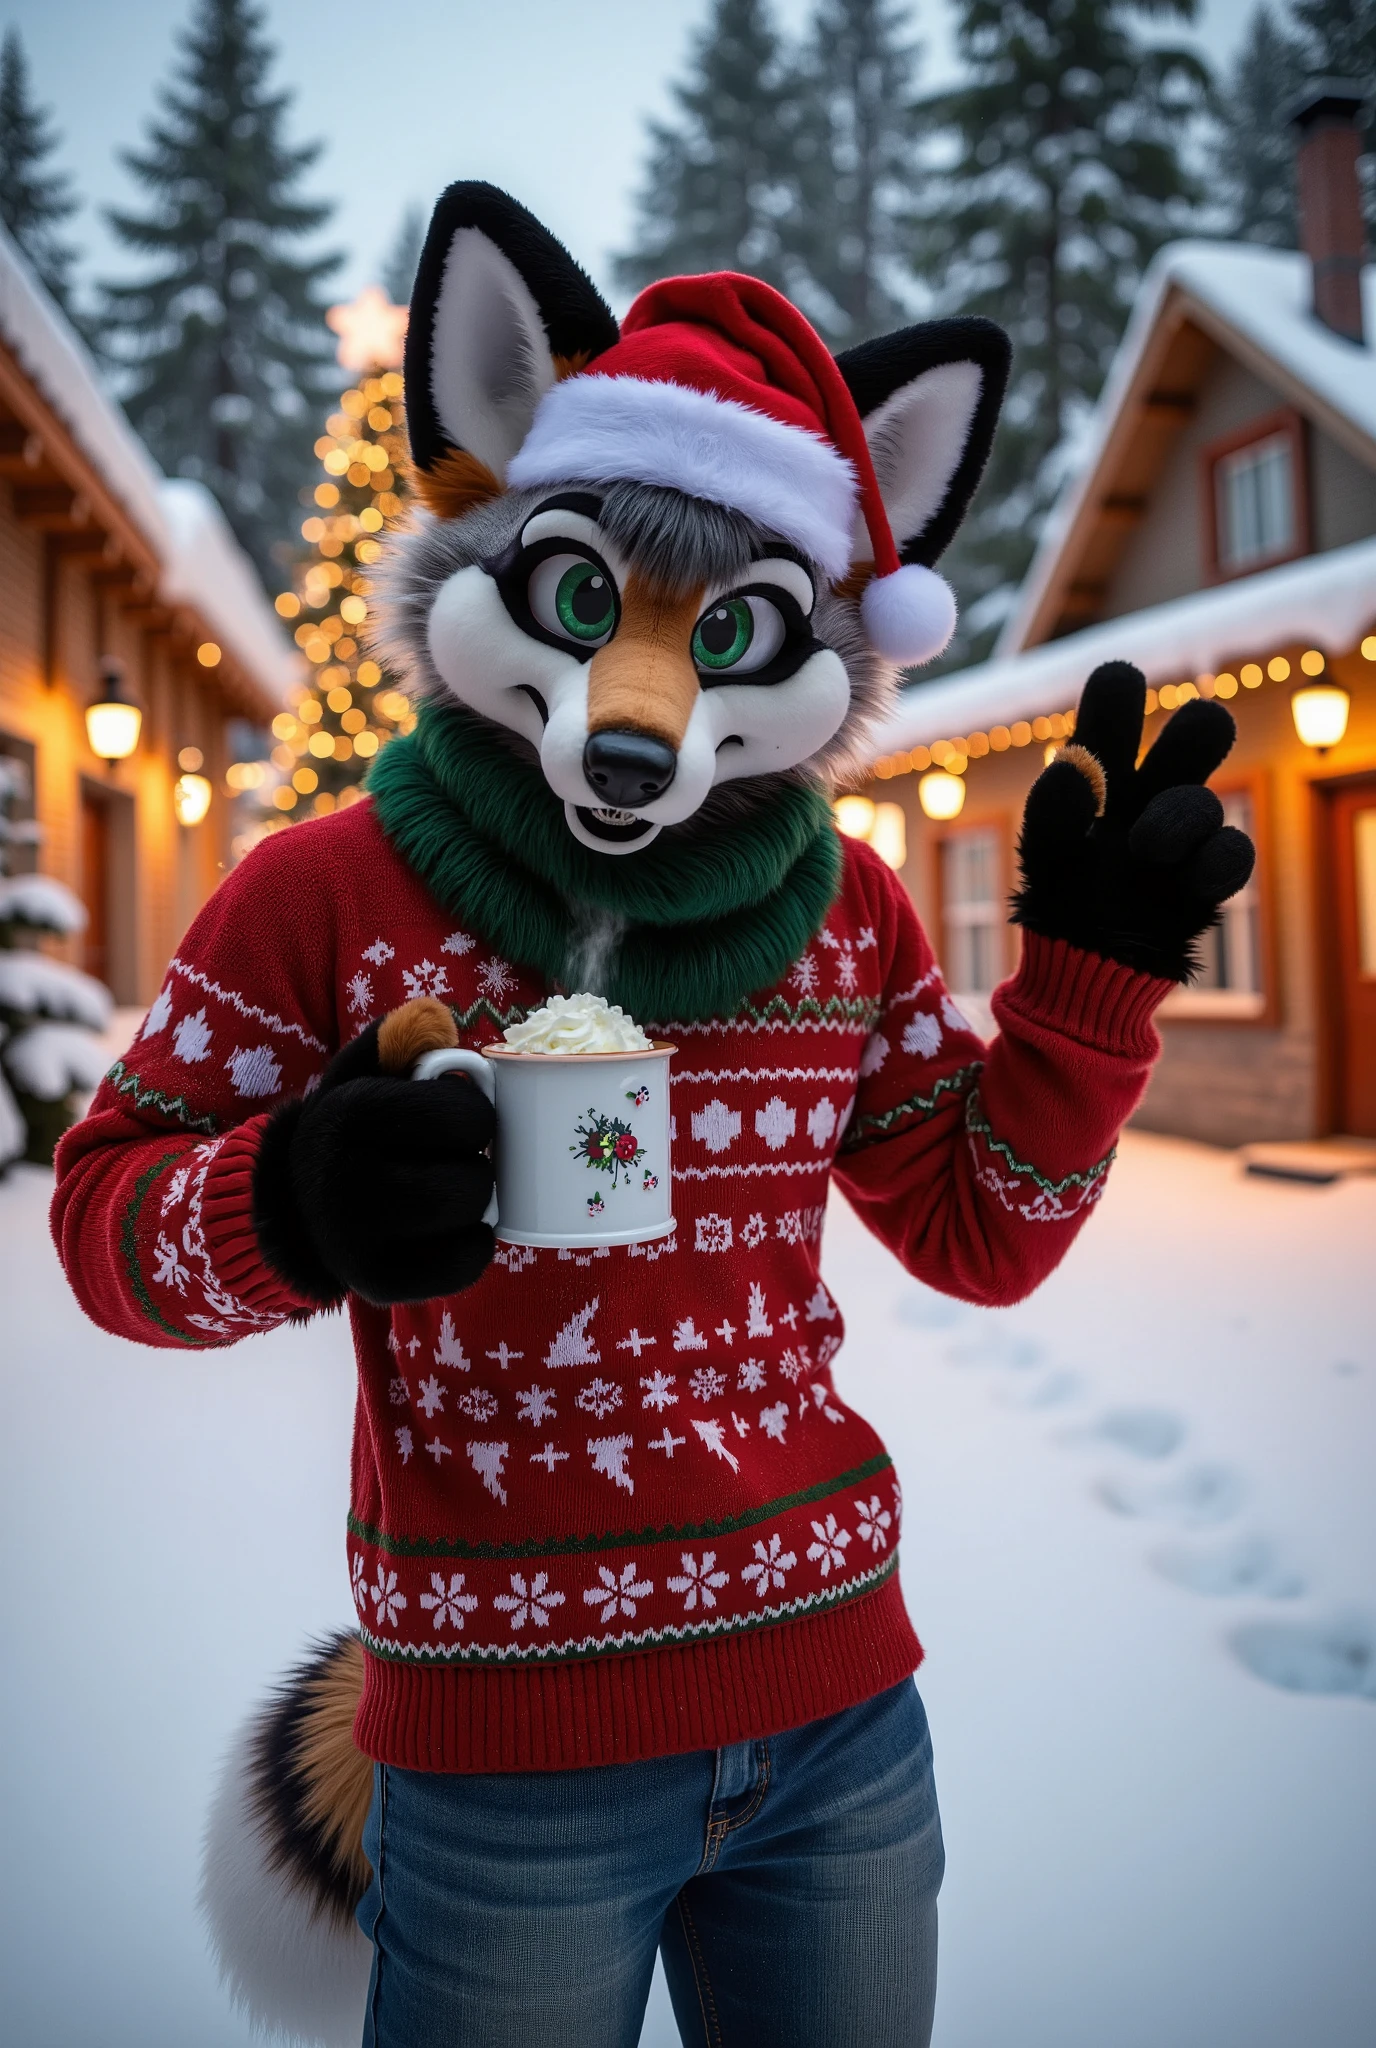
(639, 1705)
(227, 1219)
(1099, 1003)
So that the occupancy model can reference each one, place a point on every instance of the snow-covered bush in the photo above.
(48, 1011)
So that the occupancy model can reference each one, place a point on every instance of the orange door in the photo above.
(95, 884)
(1352, 851)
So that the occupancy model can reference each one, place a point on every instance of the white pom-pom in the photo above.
(909, 615)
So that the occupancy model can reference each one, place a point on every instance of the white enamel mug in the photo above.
(582, 1151)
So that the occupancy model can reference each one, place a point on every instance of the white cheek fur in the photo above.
(487, 662)
(779, 724)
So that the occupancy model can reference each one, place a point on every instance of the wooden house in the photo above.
(1220, 532)
(116, 577)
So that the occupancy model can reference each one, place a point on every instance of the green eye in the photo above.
(583, 602)
(724, 634)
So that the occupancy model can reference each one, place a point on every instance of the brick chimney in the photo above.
(1332, 232)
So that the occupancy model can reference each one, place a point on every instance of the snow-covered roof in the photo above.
(1326, 601)
(1260, 300)
(201, 563)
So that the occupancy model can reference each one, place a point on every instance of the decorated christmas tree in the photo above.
(49, 1012)
(351, 706)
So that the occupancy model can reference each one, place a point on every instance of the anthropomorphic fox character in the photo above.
(609, 1508)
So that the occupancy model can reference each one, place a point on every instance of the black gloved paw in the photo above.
(1131, 862)
(376, 1185)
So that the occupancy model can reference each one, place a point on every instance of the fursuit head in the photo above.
(676, 564)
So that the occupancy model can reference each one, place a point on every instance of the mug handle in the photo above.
(457, 1060)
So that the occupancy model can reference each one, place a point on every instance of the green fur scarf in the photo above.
(684, 930)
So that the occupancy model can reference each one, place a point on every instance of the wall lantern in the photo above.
(113, 721)
(1320, 714)
(191, 798)
(882, 826)
(942, 796)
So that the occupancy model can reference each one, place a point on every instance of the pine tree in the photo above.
(34, 199)
(1065, 176)
(856, 166)
(1254, 152)
(352, 706)
(720, 184)
(403, 258)
(222, 339)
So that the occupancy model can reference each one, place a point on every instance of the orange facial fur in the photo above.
(644, 680)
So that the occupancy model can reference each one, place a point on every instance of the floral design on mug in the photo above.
(595, 1205)
(608, 1145)
(638, 1097)
(650, 1181)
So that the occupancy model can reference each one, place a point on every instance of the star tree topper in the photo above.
(371, 331)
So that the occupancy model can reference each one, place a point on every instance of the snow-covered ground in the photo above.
(1141, 1550)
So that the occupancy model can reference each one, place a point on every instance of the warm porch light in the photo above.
(941, 795)
(1320, 714)
(113, 722)
(190, 798)
(855, 816)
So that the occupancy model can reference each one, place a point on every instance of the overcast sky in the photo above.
(547, 100)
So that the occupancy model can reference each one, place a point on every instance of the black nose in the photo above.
(628, 769)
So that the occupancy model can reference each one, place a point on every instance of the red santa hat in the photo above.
(720, 388)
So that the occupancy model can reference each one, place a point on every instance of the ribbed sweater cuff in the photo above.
(1099, 1003)
(227, 1220)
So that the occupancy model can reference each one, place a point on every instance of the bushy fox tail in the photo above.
(283, 1866)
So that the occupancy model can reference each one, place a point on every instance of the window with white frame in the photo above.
(1254, 502)
(1230, 982)
(973, 911)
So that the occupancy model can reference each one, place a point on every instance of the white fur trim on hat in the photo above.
(909, 615)
(600, 429)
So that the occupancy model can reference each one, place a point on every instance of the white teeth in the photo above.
(610, 817)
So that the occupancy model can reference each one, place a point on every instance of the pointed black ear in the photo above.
(929, 398)
(499, 311)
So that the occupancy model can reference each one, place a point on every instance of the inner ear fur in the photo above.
(499, 311)
(929, 397)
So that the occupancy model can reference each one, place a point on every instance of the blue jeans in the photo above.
(790, 1883)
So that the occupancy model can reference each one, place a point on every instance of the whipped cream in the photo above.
(579, 1023)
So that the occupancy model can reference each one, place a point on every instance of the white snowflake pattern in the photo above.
(793, 1364)
(659, 1391)
(159, 1011)
(873, 1054)
(535, 1405)
(359, 1580)
(438, 1450)
(169, 1270)
(699, 1580)
(176, 1189)
(405, 1443)
(707, 1383)
(827, 1349)
(873, 1523)
(954, 1019)
(496, 979)
(615, 1594)
(714, 1233)
(458, 942)
(425, 979)
(770, 1564)
(609, 1455)
(515, 1257)
(477, 1404)
(529, 1602)
(751, 1376)
(688, 1337)
(776, 1123)
(821, 1122)
(922, 1034)
(716, 1127)
(821, 1308)
(829, 1551)
(796, 1226)
(847, 971)
(599, 1398)
(821, 1398)
(804, 974)
(774, 1421)
(430, 1400)
(636, 1343)
(384, 1595)
(254, 1070)
(504, 1355)
(379, 953)
(447, 1605)
(191, 1039)
(549, 1457)
(754, 1231)
(713, 1434)
(739, 1424)
(360, 994)
(668, 1442)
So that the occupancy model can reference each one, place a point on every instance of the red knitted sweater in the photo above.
(610, 1505)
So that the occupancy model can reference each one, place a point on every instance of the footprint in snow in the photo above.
(1144, 1432)
(1251, 1565)
(1337, 1656)
(995, 1347)
(1057, 1390)
(1194, 1498)
(924, 1309)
